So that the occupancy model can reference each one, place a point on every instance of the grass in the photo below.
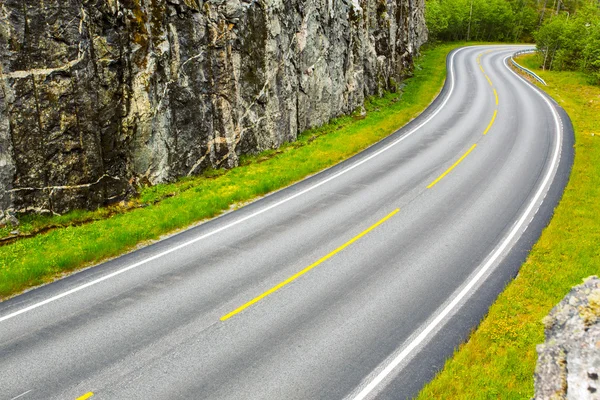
(60, 244)
(499, 359)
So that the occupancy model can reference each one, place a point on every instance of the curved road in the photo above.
(355, 283)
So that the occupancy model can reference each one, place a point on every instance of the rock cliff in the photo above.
(97, 96)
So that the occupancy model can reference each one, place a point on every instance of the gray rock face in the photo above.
(569, 361)
(98, 95)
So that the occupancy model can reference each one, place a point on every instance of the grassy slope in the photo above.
(109, 232)
(499, 359)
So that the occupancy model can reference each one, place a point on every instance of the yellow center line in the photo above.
(85, 396)
(452, 167)
(486, 76)
(305, 270)
(491, 123)
(496, 95)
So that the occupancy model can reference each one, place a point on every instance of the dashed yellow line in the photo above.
(432, 184)
(495, 93)
(342, 247)
(305, 270)
(482, 70)
(491, 123)
(85, 396)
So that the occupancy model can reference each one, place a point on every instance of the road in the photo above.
(355, 283)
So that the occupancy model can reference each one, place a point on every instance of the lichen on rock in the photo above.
(569, 361)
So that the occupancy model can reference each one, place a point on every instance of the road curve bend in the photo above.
(356, 283)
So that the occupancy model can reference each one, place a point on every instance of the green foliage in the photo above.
(507, 20)
(481, 20)
(567, 32)
(571, 42)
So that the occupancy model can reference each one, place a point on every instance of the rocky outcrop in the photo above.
(98, 95)
(569, 361)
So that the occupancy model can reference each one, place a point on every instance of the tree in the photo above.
(571, 40)
(549, 40)
(437, 19)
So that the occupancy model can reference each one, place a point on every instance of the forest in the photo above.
(566, 32)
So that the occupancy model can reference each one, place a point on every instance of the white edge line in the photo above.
(494, 257)
(22, 394)
(239, 221)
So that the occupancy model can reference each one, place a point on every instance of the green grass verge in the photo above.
(499, 359)
(83, 238)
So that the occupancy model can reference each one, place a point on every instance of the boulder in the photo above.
(569, 361)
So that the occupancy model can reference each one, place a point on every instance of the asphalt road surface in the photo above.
(355, 283)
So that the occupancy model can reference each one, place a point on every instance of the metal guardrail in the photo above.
(527, 71)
